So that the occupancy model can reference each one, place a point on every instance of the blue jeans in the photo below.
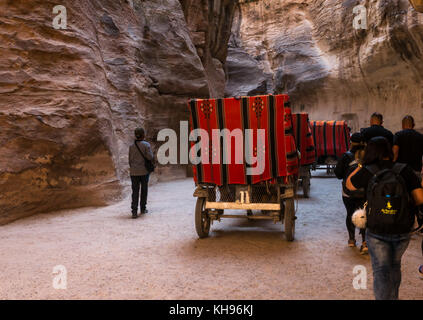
(386, 252)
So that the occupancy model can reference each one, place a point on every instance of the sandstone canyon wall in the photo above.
(309, 49)
(70, 99)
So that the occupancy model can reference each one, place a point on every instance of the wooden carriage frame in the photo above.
(280, 209)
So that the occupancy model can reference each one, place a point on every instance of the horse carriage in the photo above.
(331, 140)
(249, 164)
(305, 145)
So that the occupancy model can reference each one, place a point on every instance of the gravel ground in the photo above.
(107, 255)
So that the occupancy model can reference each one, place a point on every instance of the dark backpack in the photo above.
(388, 209)
(352, 165)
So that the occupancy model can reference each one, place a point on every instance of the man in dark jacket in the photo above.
(352, 201)
(376, 129)
(408, 146)
(139, 174)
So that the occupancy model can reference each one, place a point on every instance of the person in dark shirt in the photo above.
(385, 250)
(408, 146)
(352, 201)
(376, 129)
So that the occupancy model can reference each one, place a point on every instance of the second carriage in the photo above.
(331, 140)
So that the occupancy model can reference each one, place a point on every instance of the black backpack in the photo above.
(388, 208)
(352, 165)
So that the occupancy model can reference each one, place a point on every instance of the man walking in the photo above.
(408, 146)
(138, 152)
(376, 129)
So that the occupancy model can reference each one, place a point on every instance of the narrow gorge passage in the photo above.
(79, 79)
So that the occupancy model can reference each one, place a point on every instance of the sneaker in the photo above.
(351, 243)
(134, 216)
(144, 211)
(363, 248)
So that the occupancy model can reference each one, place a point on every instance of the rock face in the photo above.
(310, 49)
(209, 23)
(70, 99)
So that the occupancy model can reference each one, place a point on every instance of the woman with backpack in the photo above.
(393, 191)
(353, 200)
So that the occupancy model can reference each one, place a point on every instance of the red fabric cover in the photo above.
(304, 138)
(291, 146)
(260, 112)
(331, 138)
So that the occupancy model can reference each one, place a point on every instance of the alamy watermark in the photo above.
(61, 18)
(60, 279)
(213, 147)
(60, 21)
(360, 19)
(360, 279)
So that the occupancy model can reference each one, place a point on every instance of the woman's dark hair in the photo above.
(377, 149)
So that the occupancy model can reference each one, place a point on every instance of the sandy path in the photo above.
(108, 255)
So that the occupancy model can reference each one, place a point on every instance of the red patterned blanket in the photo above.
(331, 138)
(241, 140)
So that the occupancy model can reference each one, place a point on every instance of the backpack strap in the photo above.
(376, 172)
(373, 169)
(398, 167)
(142, 154)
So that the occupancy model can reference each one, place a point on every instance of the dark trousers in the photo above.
(138, 181)
(352, 204)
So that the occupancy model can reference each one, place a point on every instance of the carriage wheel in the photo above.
(289, 219)
(306, 186)
(202, 221)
